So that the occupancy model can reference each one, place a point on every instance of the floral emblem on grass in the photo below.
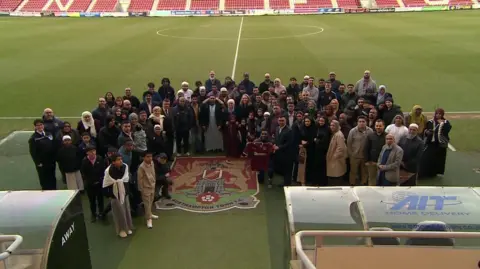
(208, 198)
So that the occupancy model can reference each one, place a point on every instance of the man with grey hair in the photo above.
(412, 146)
(366, 85)
(389, 162)
(51, 123)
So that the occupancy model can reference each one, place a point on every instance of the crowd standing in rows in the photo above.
(314, 133)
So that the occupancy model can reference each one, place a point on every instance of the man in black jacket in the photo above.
(93, 169)
(43, 149)
(283, 150)
(372, 150)
(183, 122)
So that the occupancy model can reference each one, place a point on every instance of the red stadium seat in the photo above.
(172, 5)
(244, 4)
(314, 4)
(387, 3)
(279, 4)
(140, 5)
(34, 5)
(80, 5)
(204, 5)
(349, 3)
(9, 5)
(104, 6)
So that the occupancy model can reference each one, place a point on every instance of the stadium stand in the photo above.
(414, 3)
(140, 5)
(104, 6)
(348, 3)
(34, 5)
(172, 5)
(79, 5)
(244, 4)
(279, 4)
(387, 3)
(53, 7)
(460, 2)
(9, 5)
(314, 4)
(204, 5)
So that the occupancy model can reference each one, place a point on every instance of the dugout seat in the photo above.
(431, 226)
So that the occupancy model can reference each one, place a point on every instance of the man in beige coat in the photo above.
(146, 186)
(336, 155)
(389, 162)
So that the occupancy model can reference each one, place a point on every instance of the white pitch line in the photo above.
(8, 137)
(236, 50)
(450, 146)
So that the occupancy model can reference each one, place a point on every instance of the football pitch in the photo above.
(430, 59)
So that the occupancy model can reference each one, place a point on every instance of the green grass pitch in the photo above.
(67, 63)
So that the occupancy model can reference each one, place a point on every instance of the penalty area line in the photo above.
(236, 50)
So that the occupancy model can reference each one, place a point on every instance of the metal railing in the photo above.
(308, 264)
(17, 240)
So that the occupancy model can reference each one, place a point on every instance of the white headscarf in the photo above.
(118, 187)
(89, 124)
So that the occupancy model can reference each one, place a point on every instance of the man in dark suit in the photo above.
(148, 105)
(168, 127)
(283, 158)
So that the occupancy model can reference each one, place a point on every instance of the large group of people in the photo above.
(314, 133)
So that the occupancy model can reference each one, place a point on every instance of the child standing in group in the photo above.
(146, 185)
(116, 177)
(92, 170)
(162, 171)
(69, 159)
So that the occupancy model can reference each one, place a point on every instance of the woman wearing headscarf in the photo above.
(88, 125)
(230, 108)
(436, 141)
(416, 116)
(278, 86)
(322, 141)
(306, 169)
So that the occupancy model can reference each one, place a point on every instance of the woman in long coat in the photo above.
(322, 142)
(436, 143)
(336, 155)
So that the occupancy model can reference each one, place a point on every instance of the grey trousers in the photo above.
(121, 215)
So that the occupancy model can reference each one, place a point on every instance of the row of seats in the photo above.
(146, 5)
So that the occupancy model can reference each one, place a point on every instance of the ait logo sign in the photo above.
(412, 201)
(207, 185)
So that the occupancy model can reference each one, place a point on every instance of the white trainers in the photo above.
(179, 155)
(154, 216)
(149, 224)
(122, 234)
(129, 232)
(188, 153)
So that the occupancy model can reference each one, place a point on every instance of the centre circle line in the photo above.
(319, 30)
